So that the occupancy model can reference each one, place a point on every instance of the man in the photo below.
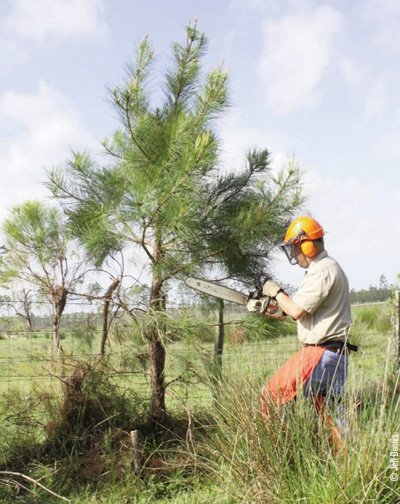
(321, 307)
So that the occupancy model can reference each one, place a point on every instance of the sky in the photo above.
(315, 80)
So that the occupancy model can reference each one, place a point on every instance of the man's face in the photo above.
(302, 260)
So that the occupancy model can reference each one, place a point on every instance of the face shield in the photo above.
(289, 249)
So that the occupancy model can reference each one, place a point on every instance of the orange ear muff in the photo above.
(308, 248)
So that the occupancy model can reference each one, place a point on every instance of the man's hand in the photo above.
(271, 288)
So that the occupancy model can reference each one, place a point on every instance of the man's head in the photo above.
(303, 241)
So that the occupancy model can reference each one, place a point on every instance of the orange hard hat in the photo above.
(303, 228)
(303, 231)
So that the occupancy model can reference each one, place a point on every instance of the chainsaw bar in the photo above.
(218, 291)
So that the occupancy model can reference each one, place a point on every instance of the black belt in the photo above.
(336, 345)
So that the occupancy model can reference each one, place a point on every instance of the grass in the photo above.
(291, 459)
(217, 448)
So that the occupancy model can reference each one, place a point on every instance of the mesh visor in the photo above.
(288, 248)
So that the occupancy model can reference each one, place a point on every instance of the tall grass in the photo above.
(376, 318)
(293, 460)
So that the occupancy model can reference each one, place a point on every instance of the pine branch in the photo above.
(198, 259)
(131, 131)
(59, 189)
(183, 179)
(184, 62)
(110, 152)
(215, 94)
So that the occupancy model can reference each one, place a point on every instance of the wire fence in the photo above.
(29, 362)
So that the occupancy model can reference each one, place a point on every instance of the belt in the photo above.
(334, 346)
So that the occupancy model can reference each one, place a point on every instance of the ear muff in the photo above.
(308, 248)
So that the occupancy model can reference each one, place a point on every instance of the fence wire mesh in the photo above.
(29, 362)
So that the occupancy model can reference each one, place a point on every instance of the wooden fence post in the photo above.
(137, 452)
(219, 338)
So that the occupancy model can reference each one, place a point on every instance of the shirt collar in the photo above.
(316, 259)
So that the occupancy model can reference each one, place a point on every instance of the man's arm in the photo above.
(290, 307)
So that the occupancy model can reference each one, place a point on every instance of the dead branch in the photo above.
(31, 480)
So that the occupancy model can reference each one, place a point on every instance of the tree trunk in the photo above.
(157, 368)
(106, 310)
(27, 309)
(29, 322)
(157, 353)
(59, 300)
(56, 332)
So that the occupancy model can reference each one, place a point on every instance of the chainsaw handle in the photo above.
(266, 305)
(258, 293)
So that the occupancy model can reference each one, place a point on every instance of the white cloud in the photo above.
(349, 70)
(384, 20)
(10, 55)
(388, 146)
(40, 19)
(254, 4)
(359, 217)
(237, 139)
(297, 50)
(376, 98)
(340, 203)
(48, 126)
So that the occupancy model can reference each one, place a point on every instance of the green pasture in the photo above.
(217, 449)
(29, 362)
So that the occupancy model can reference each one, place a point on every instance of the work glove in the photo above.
(258, 305)
(271, 288)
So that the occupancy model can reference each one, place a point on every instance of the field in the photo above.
(217, 449)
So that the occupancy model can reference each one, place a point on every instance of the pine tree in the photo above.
(39, 252)
(163, 194)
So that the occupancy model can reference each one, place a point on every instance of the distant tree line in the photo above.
(372, 294)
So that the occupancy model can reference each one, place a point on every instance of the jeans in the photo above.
(328, 378)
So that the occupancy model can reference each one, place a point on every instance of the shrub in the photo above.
(259, 328)
(84, 431)
(374, 318)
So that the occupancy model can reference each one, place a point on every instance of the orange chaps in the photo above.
(284, 384)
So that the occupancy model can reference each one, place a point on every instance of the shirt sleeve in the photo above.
(313, 290)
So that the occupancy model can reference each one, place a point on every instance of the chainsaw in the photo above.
(255, 302)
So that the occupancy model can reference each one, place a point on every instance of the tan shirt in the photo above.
(324, 294)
